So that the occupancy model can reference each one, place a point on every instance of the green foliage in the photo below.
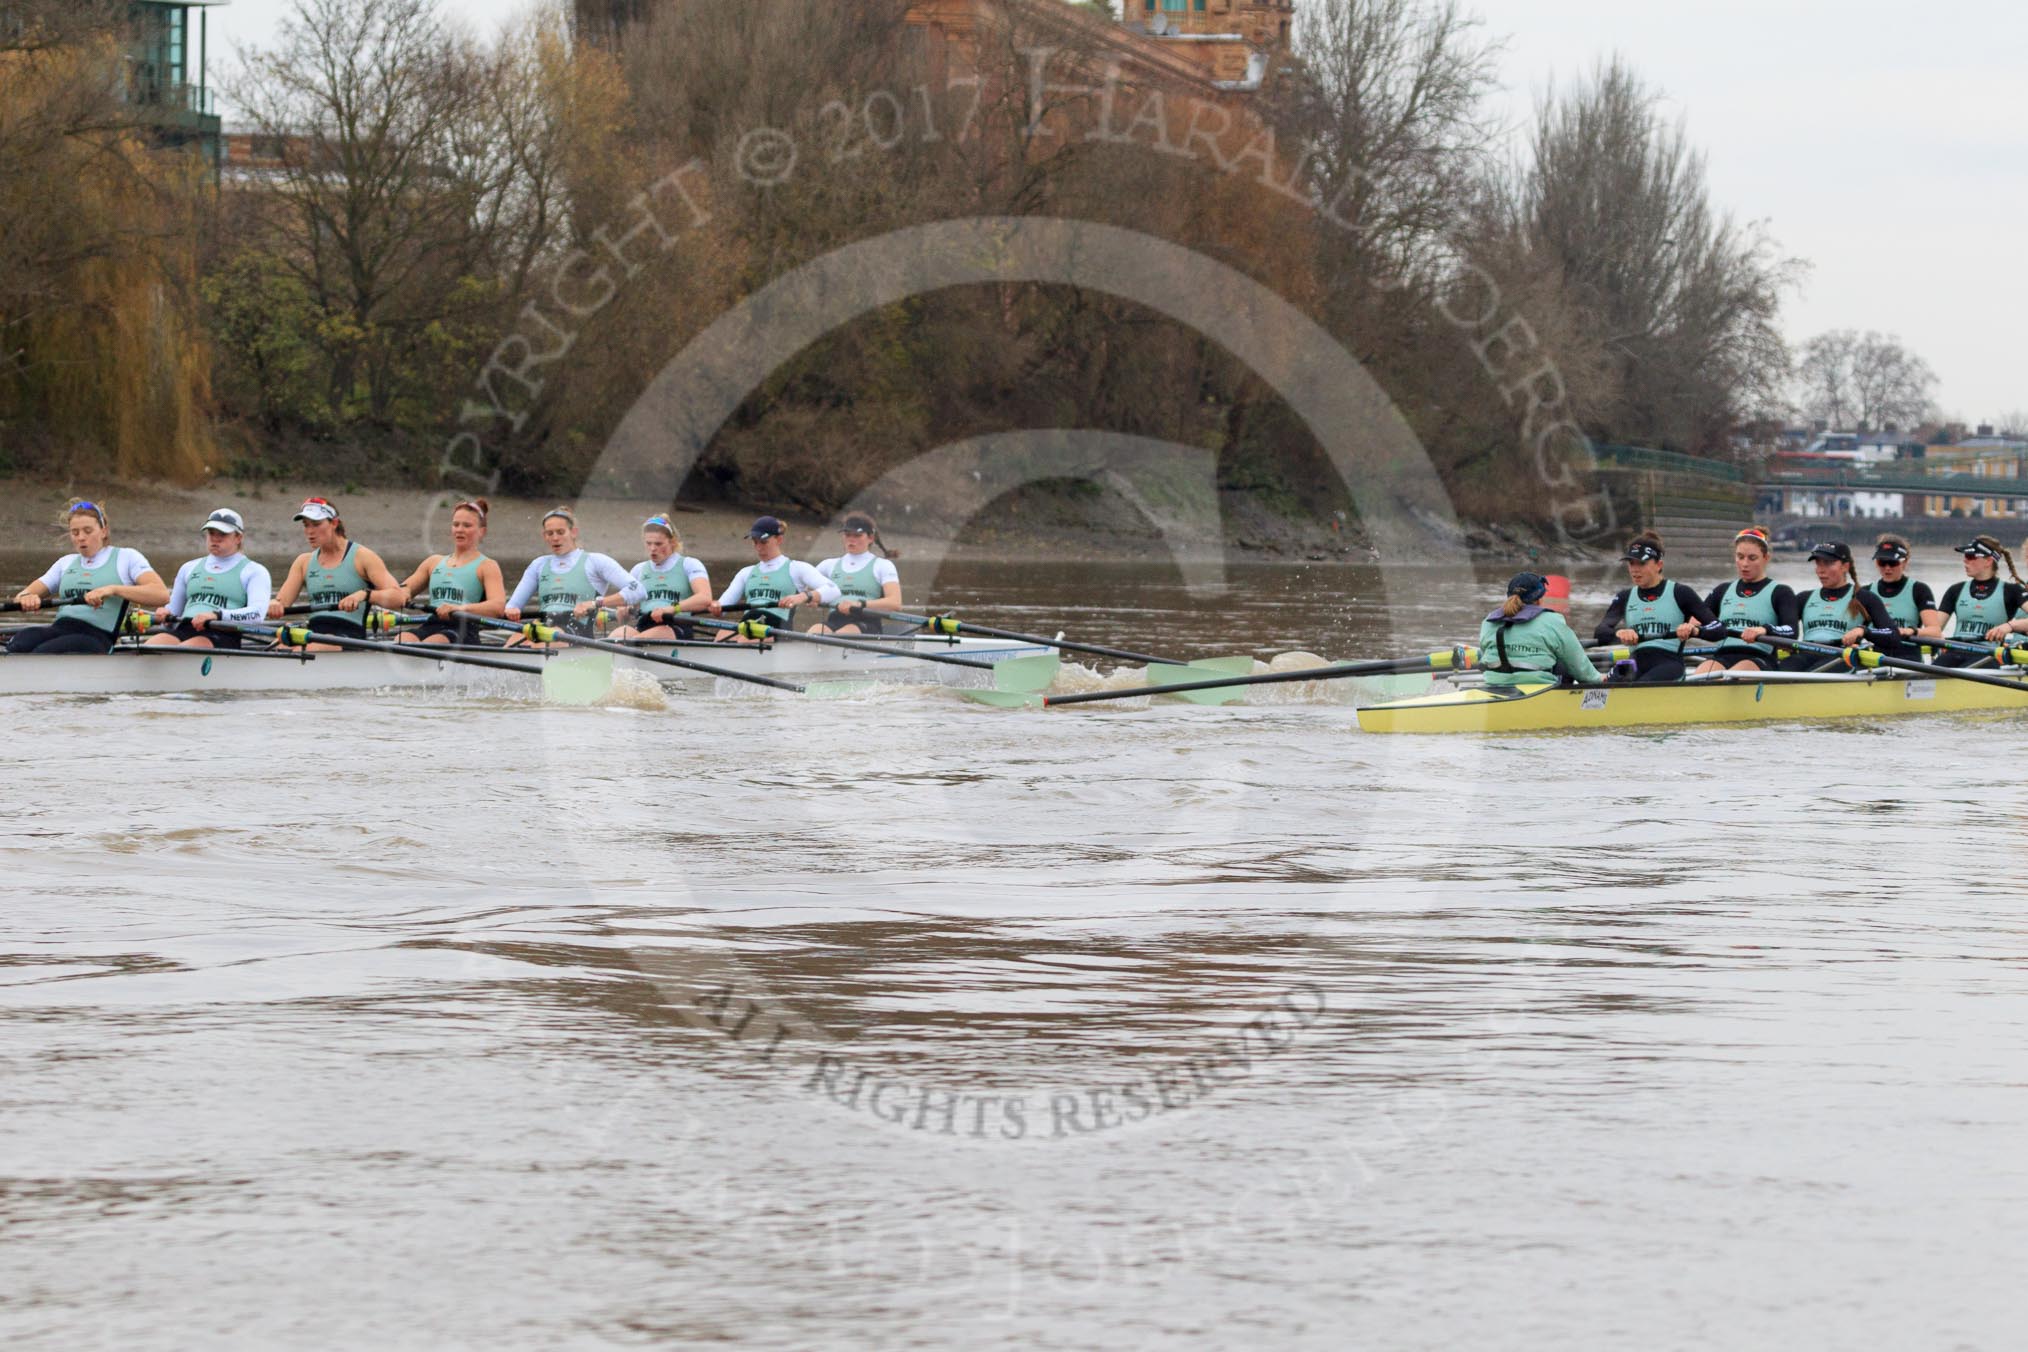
(269, 339)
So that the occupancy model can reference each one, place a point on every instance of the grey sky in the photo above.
(1883, 142)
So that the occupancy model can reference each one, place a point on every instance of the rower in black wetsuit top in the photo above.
(1756, 604)
(1654, 614)
(1984, 605)
(1838, 612)
(1911, 604)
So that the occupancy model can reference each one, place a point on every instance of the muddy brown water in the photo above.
(891, 1021)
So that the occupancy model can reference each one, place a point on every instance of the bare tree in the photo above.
(1824, 379)
(1847, 379)
(378, 111)
(1387, 97)
(1687, 299)
(1893, 385)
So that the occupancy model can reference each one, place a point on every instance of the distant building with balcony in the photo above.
(1985, 455)
(166, 73)
(1233, 40)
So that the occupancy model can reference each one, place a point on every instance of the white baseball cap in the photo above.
(316, 509)
(226, 521)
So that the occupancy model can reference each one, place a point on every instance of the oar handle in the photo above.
(2001, 653)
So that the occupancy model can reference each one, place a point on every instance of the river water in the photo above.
(891, 1021)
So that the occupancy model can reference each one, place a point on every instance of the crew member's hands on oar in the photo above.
(763, 586)
(1687, 629)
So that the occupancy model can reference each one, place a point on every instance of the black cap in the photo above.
(857, 521)
(1837, 549)
(765, 528)
(1890, 554)
(1642, 551)
(1530, 587)
(1978, 549)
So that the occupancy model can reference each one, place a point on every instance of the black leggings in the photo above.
(1657, 664)
(65, 636)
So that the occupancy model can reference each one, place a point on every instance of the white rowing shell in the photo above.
(197, 671)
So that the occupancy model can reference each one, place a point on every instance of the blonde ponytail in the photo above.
(1511, 607)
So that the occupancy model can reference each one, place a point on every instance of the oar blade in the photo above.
(838, 689)
(1205, 669)
(577, 677)
(1024, 675)
(1003, 699)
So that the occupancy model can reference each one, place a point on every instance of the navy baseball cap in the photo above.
(1978, 549)
(1530, 587)
(1641, 551)
(766, 528)
(1838, 550)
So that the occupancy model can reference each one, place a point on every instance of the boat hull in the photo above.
(197, 671)
(1570, 709)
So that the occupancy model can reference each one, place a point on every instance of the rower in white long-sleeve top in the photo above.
(667, 585)
(773, 585)
(565, 584)
(867, 582)
(224, 586)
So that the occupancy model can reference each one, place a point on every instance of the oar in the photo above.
(1017, 680)
(1854, 658)
(945, 624)
(543, 633)
(1452, 659)
(761, 630)
(2000, 654)
(299, 637)
(46, 603)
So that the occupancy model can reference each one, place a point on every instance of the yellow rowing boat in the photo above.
(1767, 699)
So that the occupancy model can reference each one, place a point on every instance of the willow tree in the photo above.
(99, 349)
